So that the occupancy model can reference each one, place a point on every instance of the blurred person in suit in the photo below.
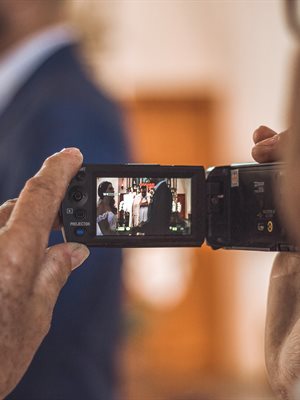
(160, 209)
(48, 102)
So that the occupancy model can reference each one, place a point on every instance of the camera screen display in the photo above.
(143, 206)
(152, 205)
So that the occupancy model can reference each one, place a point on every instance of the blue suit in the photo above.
(59, 107)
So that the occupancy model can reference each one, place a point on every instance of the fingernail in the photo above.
(79, 254)
(71, 150)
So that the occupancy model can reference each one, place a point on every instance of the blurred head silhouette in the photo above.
(20, 19)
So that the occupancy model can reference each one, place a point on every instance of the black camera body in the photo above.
(137, 205)
(242, 208)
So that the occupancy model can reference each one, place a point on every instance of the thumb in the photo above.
(60, 260)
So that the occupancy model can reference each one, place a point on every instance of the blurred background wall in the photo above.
(195, 79)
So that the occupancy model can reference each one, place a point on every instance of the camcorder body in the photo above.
(139, 205)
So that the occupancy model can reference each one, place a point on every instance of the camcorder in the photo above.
(137, 205)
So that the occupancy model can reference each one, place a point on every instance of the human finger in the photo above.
(60, 260)
(5, 211)
(270, 149)
(37, 207)
(266, 150)
(262, 133)
(26, 316)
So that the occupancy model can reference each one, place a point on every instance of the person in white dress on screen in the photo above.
(106, 210)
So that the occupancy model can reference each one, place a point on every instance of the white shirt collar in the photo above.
(19, 63)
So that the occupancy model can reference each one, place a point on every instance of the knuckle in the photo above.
(15, 283)
(41, 183)
(12, 259)
(16, 254)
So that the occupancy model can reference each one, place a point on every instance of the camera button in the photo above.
(77, 195)
(80, 231)
(260, 227)
(80, 214)
(80, 176)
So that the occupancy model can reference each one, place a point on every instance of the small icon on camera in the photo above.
(260, 227)
(70, 211)
(270, 226)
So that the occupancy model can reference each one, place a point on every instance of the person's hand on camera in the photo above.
(32, 275)
(269, 145)
(282, 336)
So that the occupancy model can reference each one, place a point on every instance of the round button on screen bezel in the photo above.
(77, 191)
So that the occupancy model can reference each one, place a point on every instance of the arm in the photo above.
(104, 226)
(282, 332)
(32, 274)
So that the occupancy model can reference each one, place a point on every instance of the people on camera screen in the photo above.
(143, 206)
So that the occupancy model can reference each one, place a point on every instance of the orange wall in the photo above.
(175, 350)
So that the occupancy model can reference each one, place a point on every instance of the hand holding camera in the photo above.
(32, 274)
(282, 339)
